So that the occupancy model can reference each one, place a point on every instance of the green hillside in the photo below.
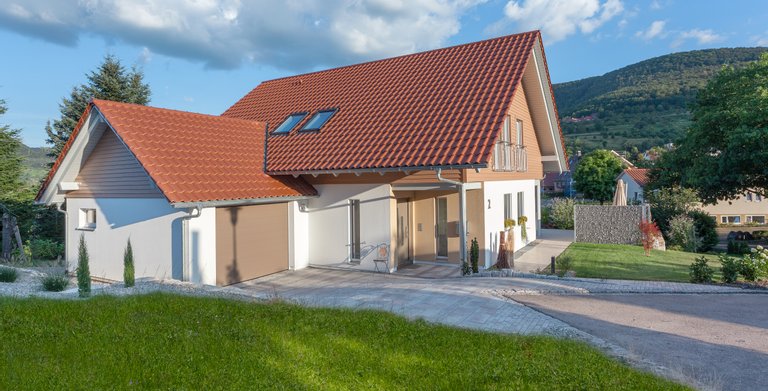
(36, 163)
(643, 104)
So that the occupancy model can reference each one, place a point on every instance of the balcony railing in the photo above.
(510, 157)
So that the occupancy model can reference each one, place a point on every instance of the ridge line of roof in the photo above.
(538, 32)
(228, 118)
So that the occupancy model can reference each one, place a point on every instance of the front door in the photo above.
(403, 234)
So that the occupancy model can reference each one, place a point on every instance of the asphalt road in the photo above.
(720, 340)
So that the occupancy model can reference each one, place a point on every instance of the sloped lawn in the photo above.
(630, 263)
(162, 341)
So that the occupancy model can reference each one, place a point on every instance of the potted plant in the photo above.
(509, 224)
(523, 233)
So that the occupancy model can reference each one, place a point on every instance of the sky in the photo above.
(204, 55)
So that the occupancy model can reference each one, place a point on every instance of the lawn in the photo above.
(162, 341)
(630, 263)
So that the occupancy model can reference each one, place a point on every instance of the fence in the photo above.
(608, 224)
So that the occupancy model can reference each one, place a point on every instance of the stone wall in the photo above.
(607, 224)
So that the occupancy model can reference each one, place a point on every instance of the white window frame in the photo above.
(751, 219)
(725, 219)
(86, 220)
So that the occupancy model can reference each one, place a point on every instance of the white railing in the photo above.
(510, 157)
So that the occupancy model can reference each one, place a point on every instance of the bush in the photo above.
(667, 203)
(738, 247)
(650, 234)
(128, 268)
(730, 268)
(563, 264)
(474, 255)
(55, 282)
(749, 268)
(700, 270)
(760, 255)
(83, 271)
(45, 248)
(682, 233)
(8, 274)
(561, 213)
(705, 228)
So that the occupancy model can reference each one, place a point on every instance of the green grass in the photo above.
(630, 263)
(162, 341)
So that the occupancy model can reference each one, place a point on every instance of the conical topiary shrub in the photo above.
(128, 269)
(83, 271)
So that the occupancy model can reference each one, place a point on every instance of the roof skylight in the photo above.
(290, 123)
(319, 119)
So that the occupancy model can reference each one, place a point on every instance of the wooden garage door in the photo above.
(251, 241)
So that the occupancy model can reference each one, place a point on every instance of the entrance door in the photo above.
(403, 234)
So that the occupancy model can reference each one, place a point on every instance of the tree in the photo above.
(83, 270)
(595, 177)
(669, 202)
(111, 81)
(723, 153)
(10, 161)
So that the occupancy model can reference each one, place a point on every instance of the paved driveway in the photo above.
(720, 340)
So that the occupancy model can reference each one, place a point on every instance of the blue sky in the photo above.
(204, 55)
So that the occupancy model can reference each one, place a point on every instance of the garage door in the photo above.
(251, 241)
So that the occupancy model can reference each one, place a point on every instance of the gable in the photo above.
(111, 171)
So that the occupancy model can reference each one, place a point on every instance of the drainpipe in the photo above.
(66, 233)
(186, 266)
(462, 213)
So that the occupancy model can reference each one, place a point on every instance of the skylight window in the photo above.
(319, 119)
(290, 123)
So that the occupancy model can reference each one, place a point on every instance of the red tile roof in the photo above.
(639, 175)
(438, 108)
(195, 157)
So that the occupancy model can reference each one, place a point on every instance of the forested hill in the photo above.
(643, 104)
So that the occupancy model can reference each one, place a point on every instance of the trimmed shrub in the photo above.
(682, 233)
(730, 268)
(83, 270)
(705, 228)
(55, 282)
(700, 271)
(474, 255)
(563, 264)
(45, 249)
(128, 268)
(738, 247)
(8, 274)
(561, 213)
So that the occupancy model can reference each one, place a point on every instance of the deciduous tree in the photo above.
(595, 177)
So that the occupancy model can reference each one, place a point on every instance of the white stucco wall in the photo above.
(153, 226)
(493, 192)
(328, 220)
(202, 247)
(298, 237)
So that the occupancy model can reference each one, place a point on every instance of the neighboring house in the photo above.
(416, 154)
(750, 208)
(562, 182)
(635, 179)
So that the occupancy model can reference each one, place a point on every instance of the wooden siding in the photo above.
(519, 110)
(111, 171)
(251, 241)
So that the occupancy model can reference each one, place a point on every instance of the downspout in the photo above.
(462, 213)
(186, 266)
(66, 233)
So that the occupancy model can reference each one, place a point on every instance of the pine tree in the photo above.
(83, 270)
(128, 268)
(10, 161)
(111, 81)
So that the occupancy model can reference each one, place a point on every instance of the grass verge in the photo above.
(163, 341)
(630, 263)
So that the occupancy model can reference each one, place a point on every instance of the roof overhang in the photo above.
(382, 171)
(243, 202)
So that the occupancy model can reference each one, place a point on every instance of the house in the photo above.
(562, 182)
(748, 209)
(401, 160)
(635, 179)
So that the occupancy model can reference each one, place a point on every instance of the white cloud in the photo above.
(760, 40)
(295, 34)
(655, 5)
(702, 37)
(560, 18)
(655, 30)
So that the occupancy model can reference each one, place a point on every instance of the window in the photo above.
(508, 206)
(519, 132)
(509, 154)
(289, 123)
(520, 204)
(730, 219)
(756, 219)
(441, 217)
(87, 219)
(749, 196)
(319, 119)
(354, 229)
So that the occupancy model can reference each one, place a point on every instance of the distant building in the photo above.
(635, 179)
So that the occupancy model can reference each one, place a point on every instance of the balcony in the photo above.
(510, 157)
